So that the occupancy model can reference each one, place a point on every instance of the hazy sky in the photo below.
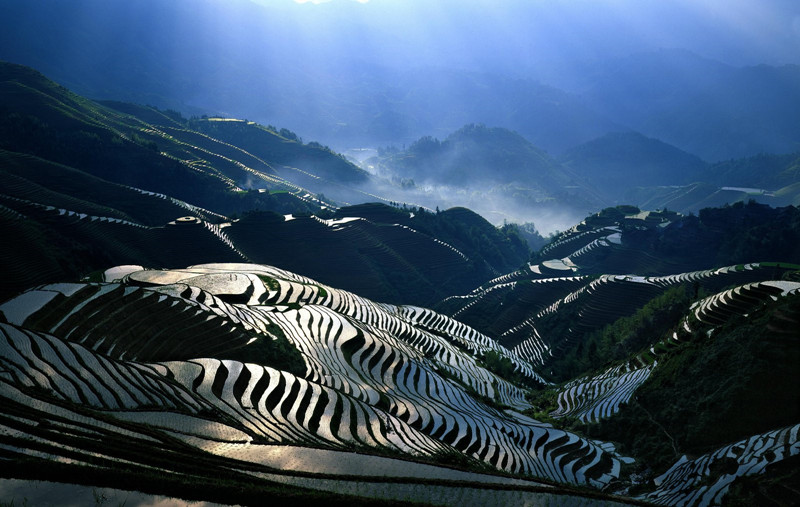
(538, 38)
(533, 31)
(307, 64)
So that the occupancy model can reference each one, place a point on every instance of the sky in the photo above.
(528, 32)
(545, 39)
(232, 55)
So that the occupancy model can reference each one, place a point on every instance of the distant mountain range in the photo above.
(619, 167)
(274, 73)
(713, 110)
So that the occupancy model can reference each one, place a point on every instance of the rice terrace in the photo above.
(384, 252)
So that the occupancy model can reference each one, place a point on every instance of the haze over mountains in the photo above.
(389, 72)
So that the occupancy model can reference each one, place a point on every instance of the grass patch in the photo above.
(708, 391)
(277, 353)
(269, 282)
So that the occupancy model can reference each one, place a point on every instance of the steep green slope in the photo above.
(38, 180)
(40, 118)
(714, 388)
(737, 382)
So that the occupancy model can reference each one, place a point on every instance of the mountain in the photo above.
(768, 171)
(713, 110)
(303, 68)
(618, 161)
(183, 312)
(490, 169)
(476, 153)
(245, 380)
(766, 178)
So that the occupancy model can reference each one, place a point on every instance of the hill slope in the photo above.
(621, 160)
(691, 358)
(325, 370)
(85, 185)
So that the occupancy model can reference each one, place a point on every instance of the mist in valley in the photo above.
(497, 203)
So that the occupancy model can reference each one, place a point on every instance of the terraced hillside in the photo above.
(379, 252)
(274, 376)
(222, 362)
(617, 261)
(386, 261)
(592, 398)
(146, 148)
(622, 349)
(251, 366)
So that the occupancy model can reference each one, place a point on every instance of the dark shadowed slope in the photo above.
(619, 161)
